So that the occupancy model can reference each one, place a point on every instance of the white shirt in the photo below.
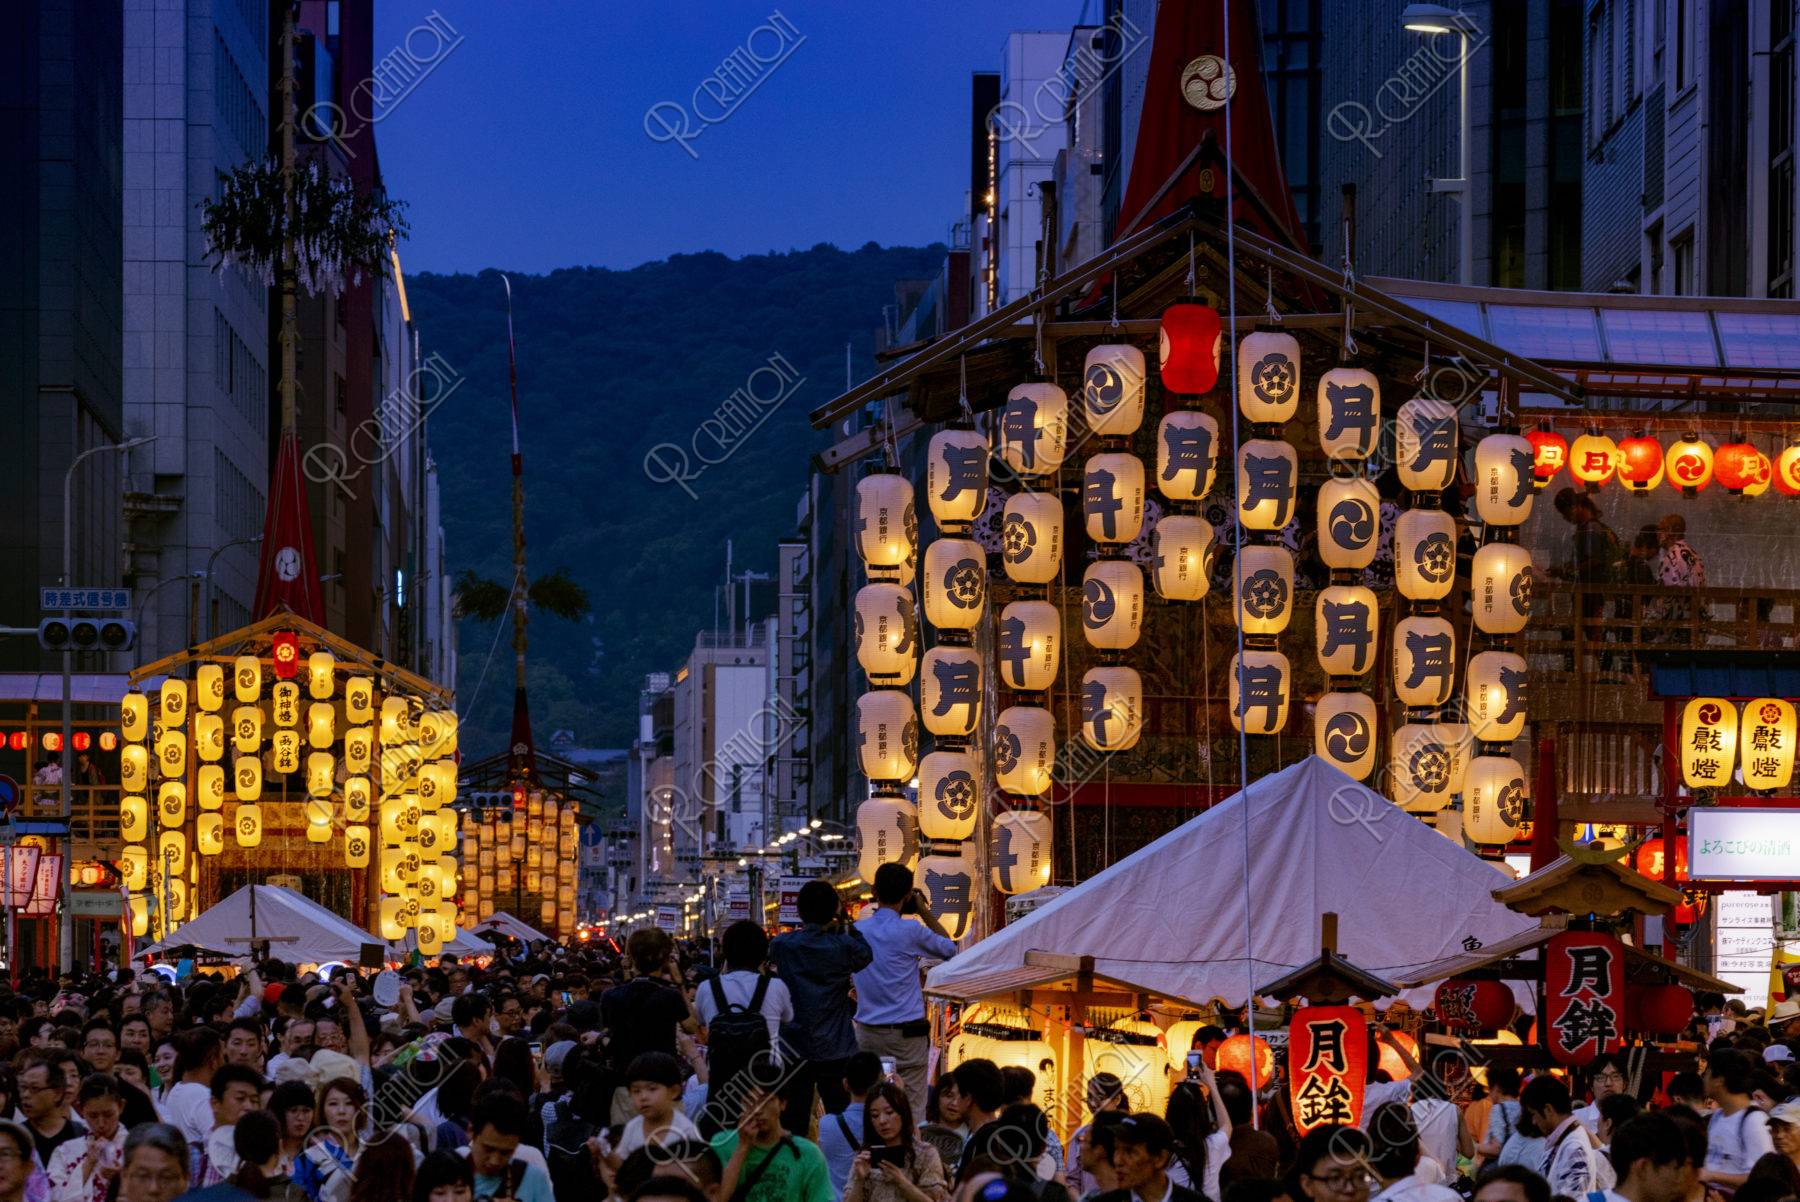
(1412, 1189)
(1218, 1148)
(1589, 1117)
(64, 1169)
(740, 987)
(680, 1127)
(1572, 1164)
(188, 1108)
(1438, 1122)
(1735, 1141)
(887, 991)
(1380, 1093)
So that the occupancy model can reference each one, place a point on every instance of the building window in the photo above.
(1684, 44)
(1681, 250)
(1653, 237)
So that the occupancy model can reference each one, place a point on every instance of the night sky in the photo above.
(525, 146)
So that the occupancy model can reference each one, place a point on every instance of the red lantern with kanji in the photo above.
(284, 648)
(1593, 459)
(1234, 1054)
(1661, 1009)
(1549, 455)
(1468, 1005)
(1190, 347)
(1328, 1065)
(1738, 466)
(1584, 996)
(1641, 463)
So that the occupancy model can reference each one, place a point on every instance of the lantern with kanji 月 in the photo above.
(1349, 522)
(1256, 1064)
(1709, 734)
(1180, 550)
(1659, 1009)
(1640, 462)
(1689, 464)
(1258, 695)
(1593, 459)
(1032, 432)
(1739, 466)
(1425, 444)
(1024, 750)
(1020, 851)
(1112, 603)
(955, 583)
(1112, 707)
(1493, 799)
(1786, 471)
(1031, 532)
(950, 691)
(1349, 413)
(1419, 768)
(1500, 588)
(950, 880)
(134, 717)
(1425, 554)
(1328, 1065)
(1189, 340)
(1263, 586)
(1112, 389)
(1649, 859)
(1584, 996)
(1462, 1004)
(1766, 744)
(1268, 376)
(1187, 454)
(949, 795)
(1344, 732)
(956, 478)
(1029, 645)
(1346, 618)
(887, 526)
(1424, 661)
(1495, 696)
(1267, 473)
(1112, 497)
(887, 733)
(1503, 479)
(1549, 455)
(887, 634)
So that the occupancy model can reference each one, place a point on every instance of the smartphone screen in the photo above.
(1193, 1061)
(888, 1066)
(565, 997)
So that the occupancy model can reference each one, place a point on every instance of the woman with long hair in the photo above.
(155, 1167)
(514, 1065)
(293, 1106)
(257, 1140)
(384, 1171)
(1202, 1126)
(894, 1165)
(323, 1170)
(443, 1176)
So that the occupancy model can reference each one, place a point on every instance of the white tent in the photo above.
(502, 923)
(299, 931)
(1170, 918)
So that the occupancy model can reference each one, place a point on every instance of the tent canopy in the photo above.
(299, 930)
(1170, 919)
(502, 923)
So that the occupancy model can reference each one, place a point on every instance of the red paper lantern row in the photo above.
(1659, 1009)
(1190, 337)
(1584, 996)
(1328, 1065)
(1471, 1005)
(1549, 455)
(1234, 1055)
(1642, 464)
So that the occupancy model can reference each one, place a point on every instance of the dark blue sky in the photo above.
(525, 148)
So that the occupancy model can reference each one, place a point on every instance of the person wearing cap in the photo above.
(1105, 1093)
(1142, 1147)
(1784, 1129)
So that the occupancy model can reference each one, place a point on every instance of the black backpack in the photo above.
(565, 1150)
(736, 1035)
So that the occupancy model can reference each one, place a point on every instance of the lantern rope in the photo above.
(1115, 298)
(499, 629)
(1274, 314)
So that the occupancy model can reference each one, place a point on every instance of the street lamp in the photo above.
(1436, 19)
(211, 604)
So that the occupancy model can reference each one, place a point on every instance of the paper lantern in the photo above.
(1235, 1055)
(1593, 459)
(1738, 465)
(320, 668)
(1112, 708)
(1189, 340)
(1766, 744)
(209, 787)
(1344, 733)
(949, 795)
(1346, 621)
(1349, 522)
(1500, 588)
(437, 786)
(1032, 431)
(1389, 1060)
(887, 735)
(1424, 661)
(1112, 497)
(246, 777)
(1425, 444)
(1550, 454)
(134, 865)
(887, 634)
(1112, 603)
(1268, 376)
(1262, 585)
(395, 721)
(1267, 472)
(209, 736)
(1663, 1010)
(1650, 859)
(1461, 742)
(247, 729)
(950, 691)
(1328, 1059)
(1028, 646)
(886, 833)
(1584, 996)
(134, 717)
(955, 583)
(1708, 749)
(174, 702)
(1786, 473)
(246, 678)
(140, 915)
(359, 700)
(1019, 851)
(1640, 462)
(951, 883)
(171, 852)
(1689, 464)
(392, 823)
(319, 721)
(284, 703)
(1468, 1005)
(1419, 768)
(284, 751)
(319, 766)
(887, 526)
(1260, 682)
(1425, 554)
(1349, 402)
(434, 728)
(392, 916)
(1495, 696)
(1187, 455)
(1024, 750)
(1503, 479)
(209, 834)
(134, 767)
(1760, 474)
(171, 753)
(356, 846)
(134, 818)
(1139, 1062)
(359, 749)
(1112, 390)
(1180, 557)
(1031, 531)
(956, 478)
(1493, 799)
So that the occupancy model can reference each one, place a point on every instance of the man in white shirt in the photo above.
(1607, 1078)
(1656, 1159)
(745, 945)
(1737, 1134)
(199, 1053)
(1572, 1162)
(890, 1005)
(1397, 1160)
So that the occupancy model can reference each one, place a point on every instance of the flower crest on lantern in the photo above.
(1258, 697)
(1112, 389)
(1263, 587)
(1189, 340)
(1766, 742)
(1112, 497)
(1549, 455)
(1344, 732)
(1420, 766)
(1640, 462)
(1346, 619)
(1425, 444)
(1425, 554)
(1503, 479)
(1493, 799)
(1349, 413)
(949, 795)
(955, 583)
(1187, 454)
(1180, 556)
(1500, 592)
(1349, 522)
(1268, 384)
(1689, 464)
(1031, 534)
(1031, 435)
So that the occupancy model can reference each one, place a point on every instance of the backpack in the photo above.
(565, 1150)
(733, 1038)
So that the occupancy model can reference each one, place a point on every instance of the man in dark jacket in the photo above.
(816, 963)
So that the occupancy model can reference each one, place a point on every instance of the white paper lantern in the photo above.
(1419, 768)
(171, 852)
(247, 729)
(955, 583)
(284, 751)
(1346, 629)
(1024, 750)
(358, 795)
(1262, 583)
(1425, 444)
(209, 736)
(1424, 661)
(1268, 376)
(134, 717)
(887, 634)
(1112, 708)
(1187, 454)
(1504, 479)
(1500, 588)
(1032, 431)
(174, 707)
(887, 734)
(1425, 554)
(1344, 732)
(1461, 742)
(1493, 799)
(284, 703)
(1349, 413)
(950, 691)
(209, 787)
(1112, 603)
(887, 526)
(949, 795)
(1268, 472)
(246, 678)
(1495, 696)
(1181, 557)
(1031, 535)
(359, 700)
(171, 753)
(171, 803)
(1019, 851)
(956, 478)
(950, 883)
(1112, 390)
(134, 863)
(320, 669)
(1349, 521)
(1260, 683)
(209, 687)
(1028, 647)
(1112, 497)
(886, 833)
(134, 767)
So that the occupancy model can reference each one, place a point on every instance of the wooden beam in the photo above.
(1609, 811)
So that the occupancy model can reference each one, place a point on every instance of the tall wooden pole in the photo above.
(290, 325)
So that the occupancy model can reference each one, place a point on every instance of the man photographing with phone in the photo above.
(816, 962)
(890, 1005)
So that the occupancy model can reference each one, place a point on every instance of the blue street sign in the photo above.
(110, 600)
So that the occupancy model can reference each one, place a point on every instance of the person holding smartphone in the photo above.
(894, 1164)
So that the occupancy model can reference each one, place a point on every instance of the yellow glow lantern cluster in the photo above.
(246, 678)
(1500, 592)
(1112, 498)
(1349, 413)
(320, 668)
(887, 527)
(1112, 708)
(1425, 554)
(1268, 472)
(1112, 390)
(1032, 433)
(1425, 444)
(1024, 750)
(955, 583)
(1709, 736)
(956, 478)
(209, 737)
(1260, 684)
(1263, 586)
(949, 795)
(1344, 732)
(1112, 603)
(1187, 455)
(1268, 376)
(1029, 646)
(887, 634)
(950, 691)
(1493, 799)
(1766, 744)
(210, 787)
(1020, 851)
(886, 834)
(1424, 661)
(1346, 620)
(134, 818)
(1349, 523)
(247, 778)
(1180, 557)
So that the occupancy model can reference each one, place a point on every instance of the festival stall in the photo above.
(269, 920)
(502, 923)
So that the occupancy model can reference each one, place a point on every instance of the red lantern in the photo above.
(284, 647)
(1661, 1009)
(1649, 861)
(82, 740)
(1584, 996)
(1234, 1054)
(1738, 465)
(1486, 1005)
(1328, 1065)
(18, 740)
(1190, 347)
(1642, 463)
(1549, 455)
(1390, 1062)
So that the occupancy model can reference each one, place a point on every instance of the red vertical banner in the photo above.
(1328, 1065)
(1584, 996)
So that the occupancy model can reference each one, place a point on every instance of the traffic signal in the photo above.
(86, 634)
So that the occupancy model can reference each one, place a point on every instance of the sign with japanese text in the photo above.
(1727, 843)
(789, 912)
(1584, 996)
(21, 874)
(1709, 728)
(1328, 1064)
(46, 887)
(92, 600)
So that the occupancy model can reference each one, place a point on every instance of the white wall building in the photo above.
(1025, 134)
